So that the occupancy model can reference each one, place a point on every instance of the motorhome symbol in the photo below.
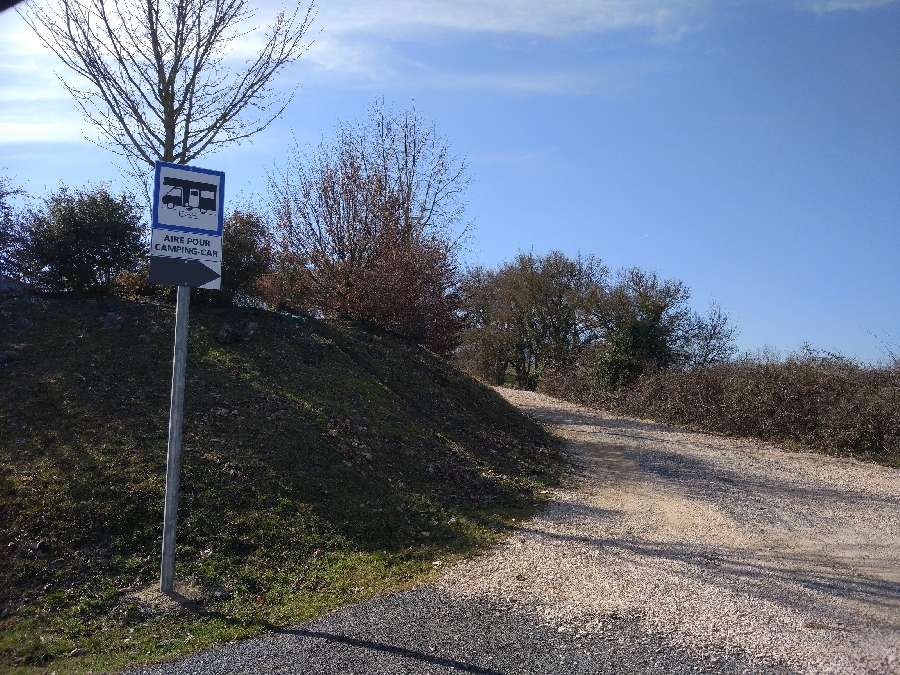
(190, 194)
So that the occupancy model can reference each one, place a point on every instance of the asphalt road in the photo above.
(430, 631)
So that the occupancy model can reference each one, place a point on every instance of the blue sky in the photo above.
(750, 149)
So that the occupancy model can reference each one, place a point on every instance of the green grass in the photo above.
(322, 465)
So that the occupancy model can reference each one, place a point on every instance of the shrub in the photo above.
(247, 261)
(247, 257)
(80, 239)
(285, 287)
(825, 402)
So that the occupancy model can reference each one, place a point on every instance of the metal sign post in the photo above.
(185, 251)
(173, 459)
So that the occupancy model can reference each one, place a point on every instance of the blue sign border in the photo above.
(177, 228)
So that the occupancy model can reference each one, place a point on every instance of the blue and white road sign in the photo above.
(188, 213)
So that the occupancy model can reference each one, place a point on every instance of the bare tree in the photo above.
(707, 340)
(392, 161)
(159, 85)
(370, 220)
(411, 162)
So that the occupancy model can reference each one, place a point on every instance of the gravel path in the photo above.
(670, 552)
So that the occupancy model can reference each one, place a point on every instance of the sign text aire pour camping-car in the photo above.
(186, 244)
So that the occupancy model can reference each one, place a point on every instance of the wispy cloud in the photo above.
(825, 6)
(363, 64)
(357, 52)
(606, 79)
(363, 40)
(406, 18)
(34, 106)
(367, 42)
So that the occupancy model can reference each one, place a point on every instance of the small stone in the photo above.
(75, 652)
(21, 322)
(144, 338)
(248, 330)
(112, 321)
(156, 330)
(225, 334)
(312, 345)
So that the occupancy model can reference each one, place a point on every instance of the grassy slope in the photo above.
(321, 465)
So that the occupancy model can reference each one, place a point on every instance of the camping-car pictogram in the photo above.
(190, 194)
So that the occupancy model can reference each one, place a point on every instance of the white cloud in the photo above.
(356, 44)
(608, 79)
(560, 18)
(825, 6)
(365, 42)
(352, 58)
(51, 131)
(18, 38)
(357, 63)
(43, 115)
(34, 105)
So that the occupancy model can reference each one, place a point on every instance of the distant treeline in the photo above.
(551, 313)
(631, 344)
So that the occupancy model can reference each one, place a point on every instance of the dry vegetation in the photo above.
(826, 403)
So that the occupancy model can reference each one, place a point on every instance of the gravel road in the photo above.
(669, 552)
